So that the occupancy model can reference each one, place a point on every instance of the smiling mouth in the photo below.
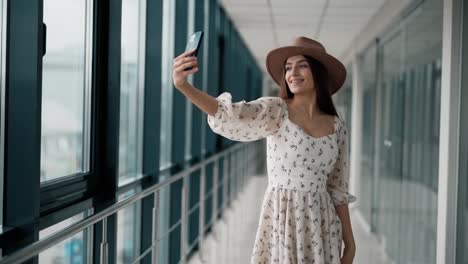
(296, 81)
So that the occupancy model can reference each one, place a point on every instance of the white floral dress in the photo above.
(307, 177)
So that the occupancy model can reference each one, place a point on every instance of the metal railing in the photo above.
(239, 167)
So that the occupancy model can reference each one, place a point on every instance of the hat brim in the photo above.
(276, 60)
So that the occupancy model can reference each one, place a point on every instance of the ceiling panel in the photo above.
(297, 10)
(354, 3)
(268, 24)
(298, 3)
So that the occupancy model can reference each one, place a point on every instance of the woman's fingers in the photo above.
(186, 65)
(184, 74)
(183, 55)
(184, 60)
(181, 63)
(192, 71)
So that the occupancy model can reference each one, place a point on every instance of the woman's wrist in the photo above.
(349, 252)
(184, 87)
(351, 245)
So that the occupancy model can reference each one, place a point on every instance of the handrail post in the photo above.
(232, 172)
(233, 168)
(104, 255)
(246, 166)
(247, 158)
(201, 221)
(154, 255)
(183, 229)
(225, 178)
(245, 163)
(237, 173)
(239, 166)
(214, 214)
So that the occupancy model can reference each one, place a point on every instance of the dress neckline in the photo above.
(335, 121)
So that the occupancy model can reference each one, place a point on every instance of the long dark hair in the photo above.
(322, 87)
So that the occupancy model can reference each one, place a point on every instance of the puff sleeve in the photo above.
(247, 121)
(338, 179)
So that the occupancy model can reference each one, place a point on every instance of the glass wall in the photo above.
(366, 184)
(462, 203)
(462, 212)
(67, 186)
(420, 149)
(166, 83)
(401, 103)
(74, 250)
(343, 98)
(3, 12)
(132, 89)
(462, 228)
(166, 124)
(128, 231)
(391, 115)
(65, 88)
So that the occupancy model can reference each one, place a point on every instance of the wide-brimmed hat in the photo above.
(276, 60)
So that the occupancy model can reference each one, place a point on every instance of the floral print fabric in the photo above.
(307, 178)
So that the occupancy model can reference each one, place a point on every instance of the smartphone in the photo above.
(194, 42)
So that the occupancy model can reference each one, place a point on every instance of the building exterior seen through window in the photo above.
(128, 231)
(132, 89)
(65, 88)
(74, 250)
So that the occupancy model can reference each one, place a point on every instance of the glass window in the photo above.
(2, 99)
(132, 89)
(367, 190)
(420, 134)
(66, 88)
(128, 231)
(166, 82)
(462, 203)
(462, 213)
(343, 97)
(391, 115)
(74, 250)
(405, 172)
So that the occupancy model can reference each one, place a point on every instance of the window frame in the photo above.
(58, 195)
(3, 17)
(141, 74)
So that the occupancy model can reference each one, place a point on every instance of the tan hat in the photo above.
(276, 60)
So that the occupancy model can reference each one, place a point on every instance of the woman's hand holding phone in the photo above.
(183, 61)
(186, 64)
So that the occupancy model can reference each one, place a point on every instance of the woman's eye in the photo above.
(301, 66)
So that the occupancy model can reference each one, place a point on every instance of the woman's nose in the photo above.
(294, 70)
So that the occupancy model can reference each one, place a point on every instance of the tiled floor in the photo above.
(233, 238)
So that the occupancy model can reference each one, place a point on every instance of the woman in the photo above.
(304, 216)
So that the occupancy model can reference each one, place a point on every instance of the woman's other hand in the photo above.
(348, 254)
(183, 61)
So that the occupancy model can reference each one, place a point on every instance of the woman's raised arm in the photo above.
(202, 100)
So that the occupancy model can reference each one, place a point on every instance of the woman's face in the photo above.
(298, 74)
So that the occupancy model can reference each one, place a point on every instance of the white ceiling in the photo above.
(268, 24)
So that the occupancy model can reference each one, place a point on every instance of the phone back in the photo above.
(194, 42)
